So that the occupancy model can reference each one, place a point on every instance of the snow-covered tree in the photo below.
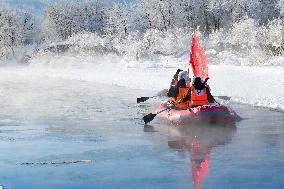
(153, 24)
(17, 29)
(186, 13)
(159, 14)
(275, 36)
(118, 19)
(281, 8)
(269, 10)
(65, 20)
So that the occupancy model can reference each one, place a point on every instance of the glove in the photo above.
(206, 79)
(171, 105)
(177, 72)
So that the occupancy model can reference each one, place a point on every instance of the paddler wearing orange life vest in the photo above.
(181, 88)
(199, 94)
(172, 92)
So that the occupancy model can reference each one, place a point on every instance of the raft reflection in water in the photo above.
(198, 140)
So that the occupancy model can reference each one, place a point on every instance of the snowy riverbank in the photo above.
(261, 86)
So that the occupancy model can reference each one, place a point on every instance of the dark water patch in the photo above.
(57, 162)
(7, 139)
(148, 128)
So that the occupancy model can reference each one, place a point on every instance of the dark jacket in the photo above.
(174, 90)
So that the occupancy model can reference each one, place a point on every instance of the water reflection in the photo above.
(198, 140)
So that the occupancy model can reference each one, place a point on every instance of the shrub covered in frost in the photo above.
(149, 27)
(17, 30)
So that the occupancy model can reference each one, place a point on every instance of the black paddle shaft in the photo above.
(224, 97)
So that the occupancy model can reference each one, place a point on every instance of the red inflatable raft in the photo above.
(213, 113)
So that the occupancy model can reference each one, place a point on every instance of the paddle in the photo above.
(159, 94)
(224, 97)
(148, 118)
(143, 99)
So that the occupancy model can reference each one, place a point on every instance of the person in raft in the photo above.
(172, 92)
(180, 89)
(198, 95)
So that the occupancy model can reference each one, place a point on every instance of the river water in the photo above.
(64, 133)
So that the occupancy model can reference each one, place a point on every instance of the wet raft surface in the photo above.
(73, 134)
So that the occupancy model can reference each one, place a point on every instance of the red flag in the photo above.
(197, 59)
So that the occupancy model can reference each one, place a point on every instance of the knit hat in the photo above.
(184, 75)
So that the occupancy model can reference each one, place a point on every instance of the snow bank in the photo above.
(261, 86)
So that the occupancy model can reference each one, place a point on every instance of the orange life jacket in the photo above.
(188, 83)
(181, 93)
(198, 97)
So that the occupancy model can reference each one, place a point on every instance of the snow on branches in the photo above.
(146, 26)
(17, 30)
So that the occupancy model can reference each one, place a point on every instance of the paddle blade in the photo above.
(149, 117)
(224, 97)
(142, 99)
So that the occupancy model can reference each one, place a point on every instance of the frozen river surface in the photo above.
(67, 134)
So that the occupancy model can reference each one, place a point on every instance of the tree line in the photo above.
(122, 21)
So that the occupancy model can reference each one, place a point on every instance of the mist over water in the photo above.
(53, 115)
(260, 86)
(70, 73)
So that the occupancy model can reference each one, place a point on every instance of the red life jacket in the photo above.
(198, 97)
